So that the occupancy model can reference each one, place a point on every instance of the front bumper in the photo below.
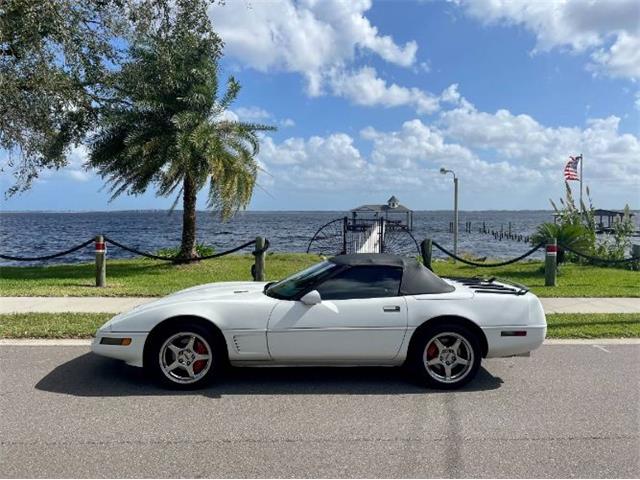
(132, 354)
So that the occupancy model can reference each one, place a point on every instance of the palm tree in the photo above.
(168, 127)
(573, 235)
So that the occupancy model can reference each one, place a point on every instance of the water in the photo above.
(34, 234)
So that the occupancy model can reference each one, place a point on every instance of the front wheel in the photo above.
(446, 356)
(184, 356)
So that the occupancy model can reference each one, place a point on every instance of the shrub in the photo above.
(572, 235)
(575, 227)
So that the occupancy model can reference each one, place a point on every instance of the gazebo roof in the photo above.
(381, 209)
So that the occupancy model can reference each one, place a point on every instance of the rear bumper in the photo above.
(131, 354)
(507, 346)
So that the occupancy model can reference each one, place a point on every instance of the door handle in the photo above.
(394, 308)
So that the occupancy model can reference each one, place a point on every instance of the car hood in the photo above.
(211, 291)
(208, 294)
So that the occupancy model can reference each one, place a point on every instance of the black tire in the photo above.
(206, 341)
(435, 376)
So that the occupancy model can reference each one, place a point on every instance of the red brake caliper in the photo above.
(199, 348)
(432, 351)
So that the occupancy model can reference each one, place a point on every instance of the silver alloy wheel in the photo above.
(448, 357)
(185, 357)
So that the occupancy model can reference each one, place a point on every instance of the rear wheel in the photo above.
(446, 356)
(185, 356)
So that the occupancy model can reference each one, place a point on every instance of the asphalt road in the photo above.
(567, 411)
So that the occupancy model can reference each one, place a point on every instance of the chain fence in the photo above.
(47, 257)
(137, 252)
(194, 259)
(478, 264)
(598, 259)
(530, 252)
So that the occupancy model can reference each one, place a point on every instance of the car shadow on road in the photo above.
(91, 376)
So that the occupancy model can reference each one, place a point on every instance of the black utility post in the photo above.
(551, 264)
(101, 262)
(426, 251)
(259, 254)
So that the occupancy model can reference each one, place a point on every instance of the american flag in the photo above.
(571, 168)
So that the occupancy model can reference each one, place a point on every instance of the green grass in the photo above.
(83, 325)
(593, 325)
(572, 281)
(141, 277)
(154, 278)
(51, 325)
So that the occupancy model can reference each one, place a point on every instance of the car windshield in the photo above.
(292, 286)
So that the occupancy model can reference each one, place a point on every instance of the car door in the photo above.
(361, 318)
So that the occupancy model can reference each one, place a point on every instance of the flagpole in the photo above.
(581, 162)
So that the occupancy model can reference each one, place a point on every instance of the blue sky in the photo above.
(370, 99)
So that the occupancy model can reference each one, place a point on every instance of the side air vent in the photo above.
(236, 343)
(489, 285)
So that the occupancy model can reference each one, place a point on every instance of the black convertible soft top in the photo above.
(416, 278)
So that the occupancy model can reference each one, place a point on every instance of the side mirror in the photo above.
(311, 298)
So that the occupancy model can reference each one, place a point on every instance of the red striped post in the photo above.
(551, 263)
(101, 261)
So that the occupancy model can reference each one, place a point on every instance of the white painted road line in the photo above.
(592, 341)
(83, 342)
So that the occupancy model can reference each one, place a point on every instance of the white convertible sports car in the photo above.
(359, 309)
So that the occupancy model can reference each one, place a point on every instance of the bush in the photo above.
(575, 227)
(574, 236)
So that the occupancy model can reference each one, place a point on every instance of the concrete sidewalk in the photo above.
(121, 304)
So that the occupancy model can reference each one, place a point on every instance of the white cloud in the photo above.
(607, 29)
(364, 87)
(307, 37)
(406, 159)
(316, 164)
(609, 156)
(252, 114)
(418, 146)
(79, 175)
(75, 169)
(258, 115)
(228, 115)
(622, 59)
(489, 151)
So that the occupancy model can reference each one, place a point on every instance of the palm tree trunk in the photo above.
(188, 245)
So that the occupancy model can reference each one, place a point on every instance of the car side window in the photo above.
(362, 282)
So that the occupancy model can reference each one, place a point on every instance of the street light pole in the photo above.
(455, 214)
(444, 171)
